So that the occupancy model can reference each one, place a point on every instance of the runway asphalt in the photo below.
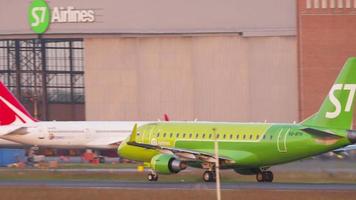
(169, 185)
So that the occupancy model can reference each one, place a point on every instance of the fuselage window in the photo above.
(244, 137)
(250, 136)
(183, 135)
(230, 136)
(270, 137)
(210, 135)
(264, 136)
(177, 135)
(190, 135)
(203, 136)
(171, 135)
(217, 136)
(196, 136)
(257, 137)
(157, 134)
(164, 135)
(237, 136)
(224, 136)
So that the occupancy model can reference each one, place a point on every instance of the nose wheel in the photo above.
(152, 176)
(264, 176)
(209, 176)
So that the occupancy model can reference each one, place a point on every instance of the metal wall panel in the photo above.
(221, 77)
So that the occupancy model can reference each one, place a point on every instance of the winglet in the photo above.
(133, 134)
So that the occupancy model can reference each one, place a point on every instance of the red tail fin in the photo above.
(11, 110)
(166, 118)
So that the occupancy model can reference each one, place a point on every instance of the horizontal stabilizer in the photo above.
(320, 134)
(12, 130)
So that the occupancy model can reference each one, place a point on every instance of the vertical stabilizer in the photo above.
(11, 110)
(338, 107)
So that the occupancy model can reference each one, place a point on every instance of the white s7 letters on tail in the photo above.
(352, 89)
(336, 102)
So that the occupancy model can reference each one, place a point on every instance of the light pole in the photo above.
(217, 166)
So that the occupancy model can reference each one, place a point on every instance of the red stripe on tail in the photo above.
(8, 115)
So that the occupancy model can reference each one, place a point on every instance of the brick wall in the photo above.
(326, 37)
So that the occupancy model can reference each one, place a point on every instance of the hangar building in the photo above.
(241, 60)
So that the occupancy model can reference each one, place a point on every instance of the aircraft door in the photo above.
(282, 140)
(147, 135)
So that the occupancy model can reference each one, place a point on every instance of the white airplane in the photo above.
(17, 125)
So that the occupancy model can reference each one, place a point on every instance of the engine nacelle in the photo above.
(167, 164)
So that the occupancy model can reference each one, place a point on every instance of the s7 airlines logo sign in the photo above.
(40, 15)
(351, 88)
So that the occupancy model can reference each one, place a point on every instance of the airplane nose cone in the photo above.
(351, 135)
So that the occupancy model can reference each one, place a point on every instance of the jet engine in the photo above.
(167, 164)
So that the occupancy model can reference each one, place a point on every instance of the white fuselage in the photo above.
(70, 134)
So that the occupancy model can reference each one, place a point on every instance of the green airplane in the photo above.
(247, 148)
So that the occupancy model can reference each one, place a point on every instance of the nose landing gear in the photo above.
(152, 176)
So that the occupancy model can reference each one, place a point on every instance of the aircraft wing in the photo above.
(184, 154)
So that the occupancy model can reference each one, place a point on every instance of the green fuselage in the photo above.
(249, 145)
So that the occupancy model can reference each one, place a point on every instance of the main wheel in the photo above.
(259, 177)
(209, 176)
(152, 177)
(268, 176)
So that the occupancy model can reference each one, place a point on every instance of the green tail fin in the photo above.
(337, 108)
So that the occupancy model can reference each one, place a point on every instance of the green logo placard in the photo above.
(39, 16)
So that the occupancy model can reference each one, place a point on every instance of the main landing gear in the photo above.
(209, 176)
(264, 176)
(152, 176)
